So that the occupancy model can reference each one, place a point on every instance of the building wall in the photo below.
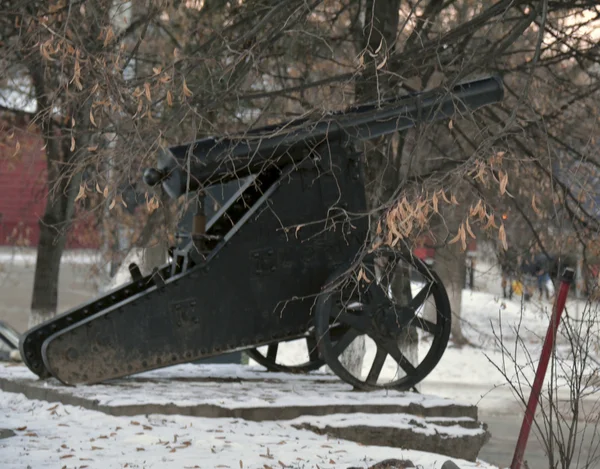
(23, 189)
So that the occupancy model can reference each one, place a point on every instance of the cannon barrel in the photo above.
(214, 160)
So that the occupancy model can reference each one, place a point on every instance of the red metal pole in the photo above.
(540, 374)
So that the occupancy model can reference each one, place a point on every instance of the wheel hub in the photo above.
(390, 320)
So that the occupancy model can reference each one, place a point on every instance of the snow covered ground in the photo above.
(59, 436)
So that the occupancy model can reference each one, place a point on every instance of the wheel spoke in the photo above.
(272, 352)
(313, 352)
(361, 323)
(420, 297)
(424, 324)
(344, 342)
(392, 348)
(377, 365)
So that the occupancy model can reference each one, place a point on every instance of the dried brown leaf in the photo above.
(444, 196)
(468, 227)
(502, 236)
(186, 90)
(169, 98)
(490, 222)
(503, 182)
(456, 239)
(72, 144)
(534, 206)
(361, 276)
(109, 36)
(147, 91)
(463, 237)
(92, 120)
(434, 200)
(81, 193)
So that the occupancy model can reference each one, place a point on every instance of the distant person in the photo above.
(527, 269)
(509, 267)
(542, 266)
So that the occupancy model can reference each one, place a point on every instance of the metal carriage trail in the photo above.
(249, 276)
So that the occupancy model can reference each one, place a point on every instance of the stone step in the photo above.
(318, 402)
(457, 437)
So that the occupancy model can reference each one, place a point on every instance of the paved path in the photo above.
(505, 430)
(503, 415)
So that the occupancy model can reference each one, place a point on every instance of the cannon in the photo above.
(289, 256)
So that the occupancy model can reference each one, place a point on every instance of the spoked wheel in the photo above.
(363, 304)
(307, 355)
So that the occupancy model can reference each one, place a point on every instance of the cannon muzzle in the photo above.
(214, 160)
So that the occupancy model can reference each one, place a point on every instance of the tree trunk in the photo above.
(409, 340)
(378, 33)
(60, 204)
(54, 226)
(451, 266)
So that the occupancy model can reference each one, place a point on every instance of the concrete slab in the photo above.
(318, 402)
(238, 391)
(457, 437)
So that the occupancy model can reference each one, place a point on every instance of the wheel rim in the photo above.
(268, 359)
(367, 310)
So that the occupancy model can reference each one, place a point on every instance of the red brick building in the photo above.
(23, 187)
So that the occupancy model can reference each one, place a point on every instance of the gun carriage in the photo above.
(286, 257)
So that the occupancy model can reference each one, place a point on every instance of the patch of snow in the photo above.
(28, 257)
(18, 99)
(229, 386)
(56, 435)
(418, 424)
